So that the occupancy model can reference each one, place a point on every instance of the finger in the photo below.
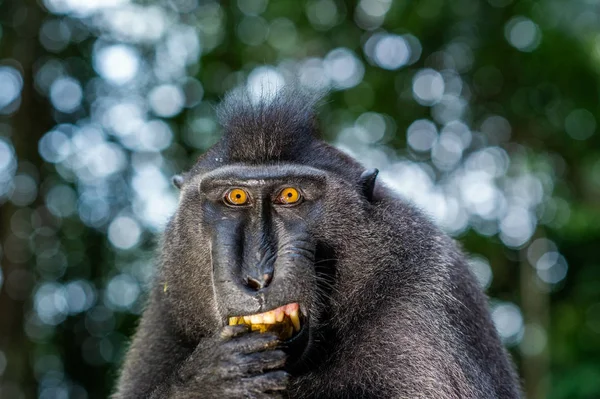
(229, 332)
(272, 381)
(260, 361)
(249, 343)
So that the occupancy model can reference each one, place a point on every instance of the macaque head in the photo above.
(261, 224)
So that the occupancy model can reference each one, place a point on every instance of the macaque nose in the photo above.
(258, 283)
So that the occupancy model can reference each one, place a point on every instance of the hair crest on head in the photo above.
(268, 127)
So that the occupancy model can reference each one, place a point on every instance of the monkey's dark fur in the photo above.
(391, 309)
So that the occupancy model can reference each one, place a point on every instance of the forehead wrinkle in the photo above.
(261, 174)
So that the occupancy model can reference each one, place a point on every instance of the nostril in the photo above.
(253, 283)
(259, 283)
(267, 277)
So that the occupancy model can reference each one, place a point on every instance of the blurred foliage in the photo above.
(483, 113)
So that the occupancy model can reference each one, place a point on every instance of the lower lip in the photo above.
(297, 334)
(296, 348)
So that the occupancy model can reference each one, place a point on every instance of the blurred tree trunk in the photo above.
(20, 24)
(535, 302)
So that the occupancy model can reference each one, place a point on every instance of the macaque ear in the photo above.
(178, 181)
(367, 182)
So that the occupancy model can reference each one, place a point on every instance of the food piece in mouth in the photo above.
(283, 321)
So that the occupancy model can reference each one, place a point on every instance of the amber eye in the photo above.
(288, 196)
(236, 196)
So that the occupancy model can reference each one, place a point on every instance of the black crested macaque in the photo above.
(290, 271)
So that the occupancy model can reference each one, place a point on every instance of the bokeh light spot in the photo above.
(11, 84)
(193, 92)
(153, 136)
(25, 190)
(54, 146)
(508, 320)
(373, 126)
(421, 135)
(580, 124)
(55, 35)
(50, 303)
(117, 63)
(122, 291)
(375, 8)
(264, 83)
(166, 100)
(523, 34)
(66, 94)
(447, 151)
(517, 226)
(312, 74)
(80, 296)
(391, 52)
(253, 30)
(534, 340)
(497, 128)
(252, 7)
(322, 14)
(61, 200)
(428, 87)
(80, 8)
(124, 232)
(482, 270)
(538, 248)
(8, 165)
(282, 34)
(449, 108)
(93, 210)
(343, 68)
(551, 267)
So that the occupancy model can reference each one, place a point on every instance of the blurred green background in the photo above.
(483, 113)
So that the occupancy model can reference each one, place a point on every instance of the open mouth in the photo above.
(285, 321)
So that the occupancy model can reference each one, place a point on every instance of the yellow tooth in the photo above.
(269, 318)
(295, 320)
(233, 321)
(279, 316)
(247, 320)
(256, 319)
